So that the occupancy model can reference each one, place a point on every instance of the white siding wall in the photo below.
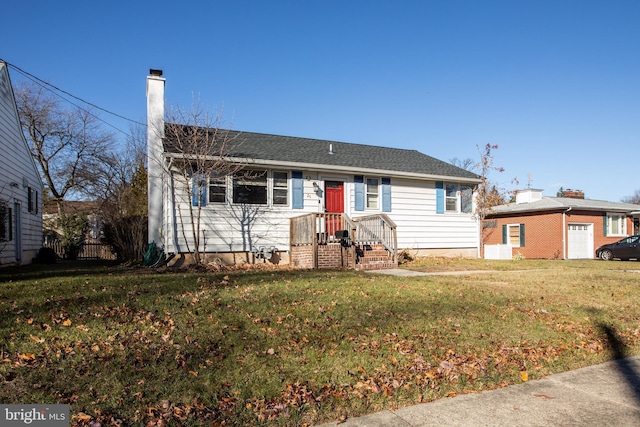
(231, 227)
(17, 168)
(420, 227)
(237, 228)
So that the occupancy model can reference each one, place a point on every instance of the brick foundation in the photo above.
(333, 255)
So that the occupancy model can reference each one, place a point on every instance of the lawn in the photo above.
(136, 346)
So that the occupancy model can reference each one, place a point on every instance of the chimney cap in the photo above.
(155, 73)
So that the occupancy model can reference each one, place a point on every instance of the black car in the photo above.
(624, 249)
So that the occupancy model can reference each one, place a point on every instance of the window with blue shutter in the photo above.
(297, 190)
(439, 197)
(358, 181)
(198, 191)
(386, 194)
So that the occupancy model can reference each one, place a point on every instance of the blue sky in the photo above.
(554, 83)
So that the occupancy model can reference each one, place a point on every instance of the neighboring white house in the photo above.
(20, 185)
(430, 201)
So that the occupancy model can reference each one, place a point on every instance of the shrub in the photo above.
(46, 256)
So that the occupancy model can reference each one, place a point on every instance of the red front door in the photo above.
(334, 203)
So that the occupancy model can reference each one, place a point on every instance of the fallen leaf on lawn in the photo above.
(82, 416)
(27, 357)
(271, 351)
(524, 376)
(194, 373)
(36, 339)
(66, 322)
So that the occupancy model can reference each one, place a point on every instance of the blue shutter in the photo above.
(521, 235)
(439, 197)
(203, 192)
(194, 191)
(358, 180)
(297, 190)
(198, 191)
(386, 194)
(504, 235)
(605, 225)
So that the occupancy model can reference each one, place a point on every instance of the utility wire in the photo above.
(49, 87)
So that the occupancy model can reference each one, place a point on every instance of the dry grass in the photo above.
(145, 347)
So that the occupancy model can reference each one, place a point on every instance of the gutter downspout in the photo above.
(564, 233)
(172, 208)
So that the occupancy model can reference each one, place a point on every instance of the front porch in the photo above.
(333, 240)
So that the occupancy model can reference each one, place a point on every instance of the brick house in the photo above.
(556, 227)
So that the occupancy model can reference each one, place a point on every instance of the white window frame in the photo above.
(370, 195)
(287, 178)
(220, 182)
(453, 197)
(618, 219)
(511, 238)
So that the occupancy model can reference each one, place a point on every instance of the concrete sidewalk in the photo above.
(601, 395)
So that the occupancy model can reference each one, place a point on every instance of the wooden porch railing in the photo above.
(377, 229)
(320, 228)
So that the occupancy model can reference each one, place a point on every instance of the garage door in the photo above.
(580, 245)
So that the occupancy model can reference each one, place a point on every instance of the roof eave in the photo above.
(332, 168)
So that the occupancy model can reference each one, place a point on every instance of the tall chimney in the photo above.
(155, 155)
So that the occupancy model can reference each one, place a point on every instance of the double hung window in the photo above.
(615, 225)
(372, 193)
(458, 198)
(280, 192)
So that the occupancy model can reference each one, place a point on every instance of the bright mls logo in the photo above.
(37, 415)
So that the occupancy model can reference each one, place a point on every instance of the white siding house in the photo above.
(430, 201)
(20, 185)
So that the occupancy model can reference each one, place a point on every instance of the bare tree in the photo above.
(198, 148)
(69, 145)
(121, 183)
(467, 164)
(488, 195)
(635, 198)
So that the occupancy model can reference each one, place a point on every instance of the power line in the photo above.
(49, 87)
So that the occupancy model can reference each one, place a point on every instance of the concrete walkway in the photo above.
(603, 395)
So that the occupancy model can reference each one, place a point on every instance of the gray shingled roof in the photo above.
(275, 148)
(562, 203)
